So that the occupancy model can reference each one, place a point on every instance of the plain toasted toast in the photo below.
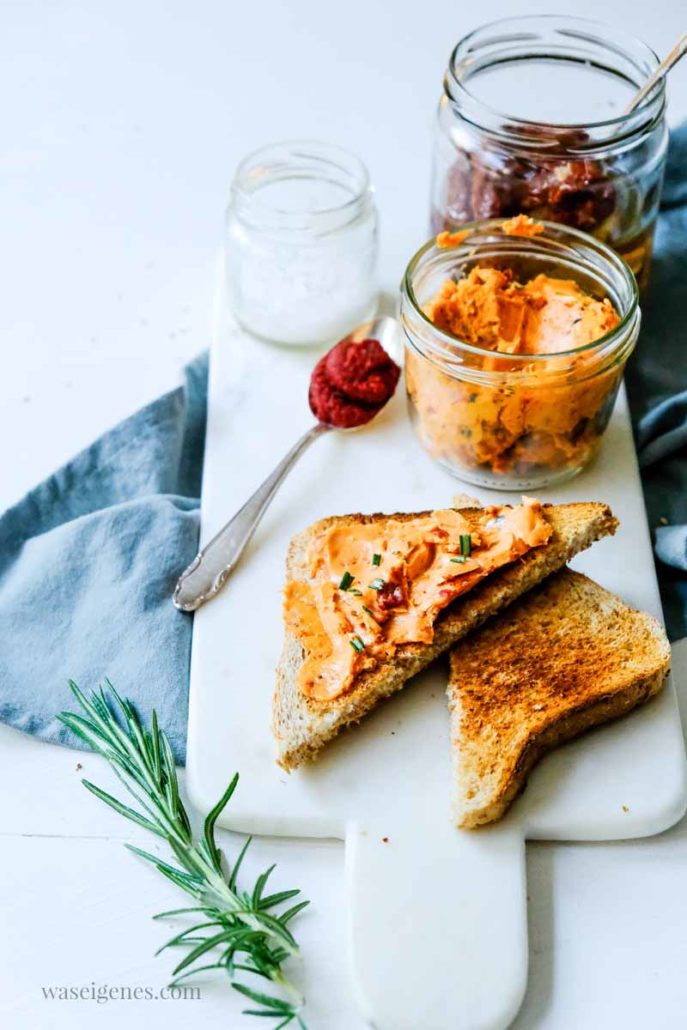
(566, 657)
(302, 725)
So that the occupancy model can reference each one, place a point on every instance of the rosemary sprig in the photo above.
(239, 928)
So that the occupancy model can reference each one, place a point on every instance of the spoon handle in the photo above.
(209, 570)
(676, 54)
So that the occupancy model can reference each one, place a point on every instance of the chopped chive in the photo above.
(346, 581)
(369, 612)
(357, 644)
(356, 592)
(465, 544)
(460, 560)
(376, 584)
(376, 559)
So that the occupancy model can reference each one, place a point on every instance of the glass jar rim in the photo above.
(293, 159)
(486, 231)
(612, 42)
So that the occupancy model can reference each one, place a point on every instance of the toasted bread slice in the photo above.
(566, 657)
(302, 725)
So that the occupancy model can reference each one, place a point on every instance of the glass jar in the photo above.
(532, 122)
(515, 421)
(301, 244)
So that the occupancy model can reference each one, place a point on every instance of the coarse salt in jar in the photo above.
(515, 348)
(301, 245)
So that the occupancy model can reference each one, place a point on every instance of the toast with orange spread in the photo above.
(371, 600)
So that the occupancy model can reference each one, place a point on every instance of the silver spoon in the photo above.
(210, 569)
(664, 67)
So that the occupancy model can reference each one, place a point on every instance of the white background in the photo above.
(120, 125)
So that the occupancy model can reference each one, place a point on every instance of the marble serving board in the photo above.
(436, 917)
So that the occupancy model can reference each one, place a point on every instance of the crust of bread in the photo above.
(302, 725)
(567, 657)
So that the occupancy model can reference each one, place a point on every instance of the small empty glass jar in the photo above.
(301, 243)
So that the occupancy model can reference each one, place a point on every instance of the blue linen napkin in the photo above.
(88, 559)
(657, 389)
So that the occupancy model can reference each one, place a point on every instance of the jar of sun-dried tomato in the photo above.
(533, 121)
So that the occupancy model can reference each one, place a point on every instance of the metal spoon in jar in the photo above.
(664, 67)
(210, 569)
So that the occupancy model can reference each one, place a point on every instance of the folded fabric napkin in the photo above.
(657, 389)
(88, 562)
(88, 559)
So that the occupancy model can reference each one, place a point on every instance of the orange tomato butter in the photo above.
(543, 316)
(527, 422)
(374, 587)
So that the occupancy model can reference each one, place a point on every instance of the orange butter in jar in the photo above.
(516, 338)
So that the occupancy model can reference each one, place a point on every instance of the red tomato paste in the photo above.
(351, 383)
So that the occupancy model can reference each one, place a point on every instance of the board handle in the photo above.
(437, 924)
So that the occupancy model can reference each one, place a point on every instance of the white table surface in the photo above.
(121, 124)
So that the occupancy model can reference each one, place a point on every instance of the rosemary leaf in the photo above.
(237, 864)
(211, 819)
(183, 937)
(262, 999)
(287, 916)
(191, 884)
(276, 899)
(182, 911)
(124, 810)
(198, 969)
(207, 945)
(260, 886)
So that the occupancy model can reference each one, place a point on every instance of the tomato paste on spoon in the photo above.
(351, 383)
